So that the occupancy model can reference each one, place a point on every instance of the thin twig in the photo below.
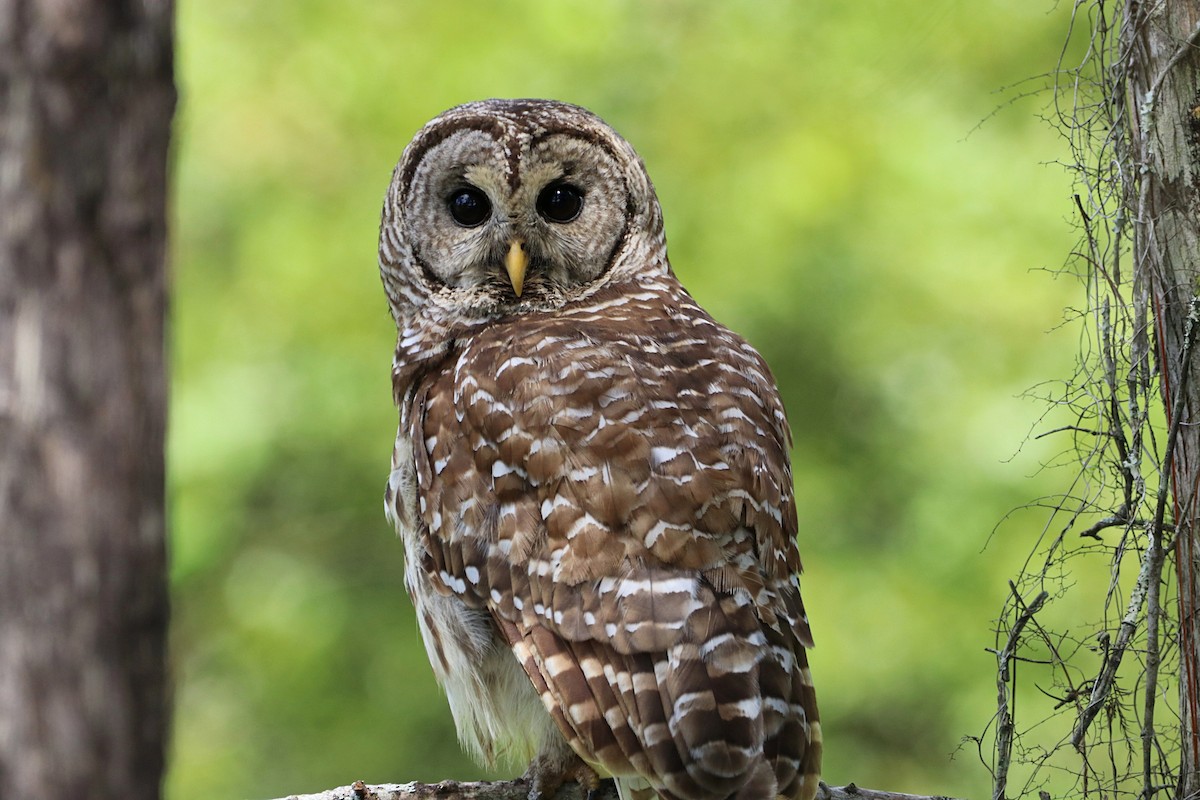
(1154, 553)
(1005, 672)
(1104, 681)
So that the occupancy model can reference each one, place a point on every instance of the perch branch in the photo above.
(519, 790)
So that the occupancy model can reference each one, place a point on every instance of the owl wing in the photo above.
(613, 485)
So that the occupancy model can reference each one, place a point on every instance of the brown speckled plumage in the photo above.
(591, 479)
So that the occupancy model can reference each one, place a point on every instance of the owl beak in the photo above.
(515, 262)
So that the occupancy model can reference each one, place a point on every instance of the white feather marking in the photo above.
(733, 412)
(583, 474)
(718, 753)
(579, 525)
(615, 717)
(514, 361)
(573, 413)
(750, 708)
(656, 533)
(660, 625)
(558, 501)
(559, 663)
(689, 701)
(777, 705)
(455, 583)
(661, 455)
(656, 733)
(644, 682)
(592, 668)
(655, 587)
(715, 642)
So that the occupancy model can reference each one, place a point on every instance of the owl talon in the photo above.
(548, 771)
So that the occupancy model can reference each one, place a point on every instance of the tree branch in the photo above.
(519, 790)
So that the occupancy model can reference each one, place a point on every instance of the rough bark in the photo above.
(519, 790)
(86, 99)
(1164, 109)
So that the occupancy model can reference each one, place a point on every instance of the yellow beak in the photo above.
(515, 262)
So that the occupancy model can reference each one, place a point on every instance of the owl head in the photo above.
(507, 206)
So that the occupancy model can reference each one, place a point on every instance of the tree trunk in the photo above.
(86, 98)
(1164, 108)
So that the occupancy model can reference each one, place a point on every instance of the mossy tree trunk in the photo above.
(86, 100)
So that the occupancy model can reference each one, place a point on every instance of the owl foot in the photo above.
(548, 771)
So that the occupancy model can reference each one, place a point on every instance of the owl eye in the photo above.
(469, 207)
(560, 202)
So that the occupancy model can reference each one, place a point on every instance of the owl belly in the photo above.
(496, 711)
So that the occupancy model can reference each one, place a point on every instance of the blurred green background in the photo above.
(836, 187)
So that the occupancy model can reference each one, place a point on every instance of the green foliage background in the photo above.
(829, 192)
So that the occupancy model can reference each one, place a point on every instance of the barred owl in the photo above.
(591, 475)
